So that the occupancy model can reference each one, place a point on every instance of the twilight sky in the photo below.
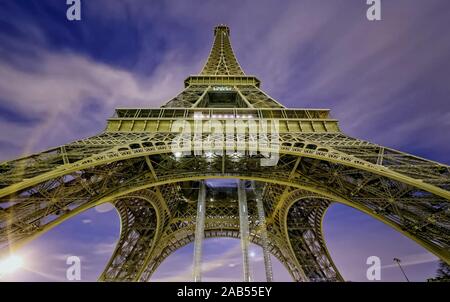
(387, 82)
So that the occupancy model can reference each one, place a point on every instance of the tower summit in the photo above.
(222, 71)
(165, 189)
(221, 60)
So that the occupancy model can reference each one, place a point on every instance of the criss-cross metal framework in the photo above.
(134, 164)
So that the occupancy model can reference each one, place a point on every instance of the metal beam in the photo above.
(244, 232)
(263, 233)
(199, 233)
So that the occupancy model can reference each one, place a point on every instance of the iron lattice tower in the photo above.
(165, 201)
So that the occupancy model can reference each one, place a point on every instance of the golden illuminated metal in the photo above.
(132, 164)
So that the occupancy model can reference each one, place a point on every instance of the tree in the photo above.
(442, 273)
(443, 270)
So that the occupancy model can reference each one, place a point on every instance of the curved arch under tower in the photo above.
(149, 166)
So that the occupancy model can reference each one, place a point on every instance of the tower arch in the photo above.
(135, 163)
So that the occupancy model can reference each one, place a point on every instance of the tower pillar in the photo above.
(243, 227)
(263, 233)
(199, 233)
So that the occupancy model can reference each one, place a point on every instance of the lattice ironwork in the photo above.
(133, 164)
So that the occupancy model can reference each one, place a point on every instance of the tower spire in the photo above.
(221, 60)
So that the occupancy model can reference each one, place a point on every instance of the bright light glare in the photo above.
(10, 264)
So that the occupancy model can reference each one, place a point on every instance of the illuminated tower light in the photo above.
(10, 264)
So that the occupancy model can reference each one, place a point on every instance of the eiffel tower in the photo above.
(167, 199)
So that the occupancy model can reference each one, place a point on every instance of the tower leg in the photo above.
(244, 232)
(263, 233)
(141, 222)
(199, 233)
(304, 232)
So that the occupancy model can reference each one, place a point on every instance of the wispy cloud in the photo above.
(416, 259)
(104, 248)
(69, 96)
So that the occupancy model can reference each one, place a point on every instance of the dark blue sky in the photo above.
(387, 82)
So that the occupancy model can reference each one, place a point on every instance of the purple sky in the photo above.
(387, 82)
